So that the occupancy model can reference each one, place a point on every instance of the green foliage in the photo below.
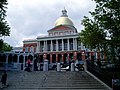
(92, 35)
(6, 47)
(1, 44)
(107, 13)
(104, 28)
(4, 27)
(102, 31)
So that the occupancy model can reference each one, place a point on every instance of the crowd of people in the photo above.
(29, 64)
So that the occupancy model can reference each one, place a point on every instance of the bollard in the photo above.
(72, 67)
(19, 67)
(58, 67)
(45, 65)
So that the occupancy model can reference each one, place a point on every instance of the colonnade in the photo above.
(14, 61)
(57, 45)
(19, 59)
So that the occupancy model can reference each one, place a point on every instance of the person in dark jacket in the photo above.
(35, 64)
(4, 78)
(29, 65)
(99, 63)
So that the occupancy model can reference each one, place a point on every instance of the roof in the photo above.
(62, 27)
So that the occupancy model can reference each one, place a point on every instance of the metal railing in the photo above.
(100, 73)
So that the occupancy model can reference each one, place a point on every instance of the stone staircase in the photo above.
(52, 80)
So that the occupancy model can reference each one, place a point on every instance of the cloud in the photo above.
(32, 18)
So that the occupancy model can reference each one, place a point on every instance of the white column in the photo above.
(18, 59)
(56, 44)
(44, 46)
(82, 46)
(6, 58)
(76, 43)
(62, 45)
(51, 46)
(73, 44)
(18, 64)
(68, 44)
(39, 46)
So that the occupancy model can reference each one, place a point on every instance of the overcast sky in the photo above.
(31, 18)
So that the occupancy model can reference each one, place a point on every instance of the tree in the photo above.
(92, 35)
(104, 27)
(6, 47)
(4, 27)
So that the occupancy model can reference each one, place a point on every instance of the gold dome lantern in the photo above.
(64, 20)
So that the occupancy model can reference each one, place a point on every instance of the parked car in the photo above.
(52, 66)
(80, 65)
(65, 67)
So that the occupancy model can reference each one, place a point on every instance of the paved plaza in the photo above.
(52, 80)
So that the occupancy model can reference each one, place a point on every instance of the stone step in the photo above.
(56, 88)
(52, 81)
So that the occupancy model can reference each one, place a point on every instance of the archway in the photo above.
(30, 57)
(26, 59)
(65, 58)
(71, 56)
(79, 55)
(54, 58)
(21, 59)
(10, 58)
(4, 57)
(40, 57)
(2, 60)
(15, 57)
(59, 58)
(48, 57)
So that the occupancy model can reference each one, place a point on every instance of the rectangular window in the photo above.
(71, 46)
(60, 46)
(54, 47)
(48, 47)
(65, 46)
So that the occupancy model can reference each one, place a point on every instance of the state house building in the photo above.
(60, 45)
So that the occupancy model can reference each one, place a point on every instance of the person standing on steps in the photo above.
(35, 64)
(4, 79)
(29, 65)
(98, 63)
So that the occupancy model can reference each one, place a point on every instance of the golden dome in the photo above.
(64, 20)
